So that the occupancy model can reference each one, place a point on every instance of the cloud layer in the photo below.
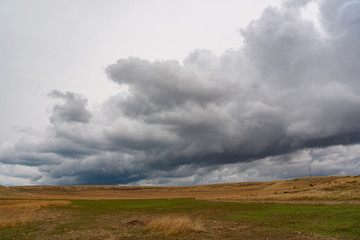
(288, 96)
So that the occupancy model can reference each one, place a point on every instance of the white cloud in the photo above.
(259, 112)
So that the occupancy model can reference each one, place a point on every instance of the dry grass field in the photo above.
(175, 224)
(14, 212)
(333, 188)
(304, 208)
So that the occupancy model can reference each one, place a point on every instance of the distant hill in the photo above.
(332, 188)
(5, 192)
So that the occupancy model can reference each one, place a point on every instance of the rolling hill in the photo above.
(331, 188)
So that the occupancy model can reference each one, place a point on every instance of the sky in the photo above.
(137, 92)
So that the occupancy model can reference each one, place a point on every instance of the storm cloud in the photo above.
(288, 96)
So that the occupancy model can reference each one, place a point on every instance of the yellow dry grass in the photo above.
(175, 224)
(331, 188)
(14, 212)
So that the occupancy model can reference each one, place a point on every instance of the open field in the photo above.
(307, 208)
(333, 188)
(15, 212)
(191, 219)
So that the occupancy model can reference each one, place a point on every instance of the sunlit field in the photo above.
(16, 212)
(189, 219)
(328, 209)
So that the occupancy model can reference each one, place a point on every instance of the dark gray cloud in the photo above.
(73, 109)
(284, 98)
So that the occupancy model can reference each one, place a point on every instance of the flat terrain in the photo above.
(306, 208)
(333, 188)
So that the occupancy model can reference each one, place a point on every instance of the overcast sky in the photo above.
(178, 92)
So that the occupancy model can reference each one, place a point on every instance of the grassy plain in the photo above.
(333, 188)
(15, 212)
(328, 209)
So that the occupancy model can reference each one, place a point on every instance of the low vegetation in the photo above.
(190, 219)
(333, 188)
(307, 208)
(15, 212)
(175, 224)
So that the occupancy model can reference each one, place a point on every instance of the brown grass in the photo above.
(175, 224)
(331, 188)
(14, 212)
